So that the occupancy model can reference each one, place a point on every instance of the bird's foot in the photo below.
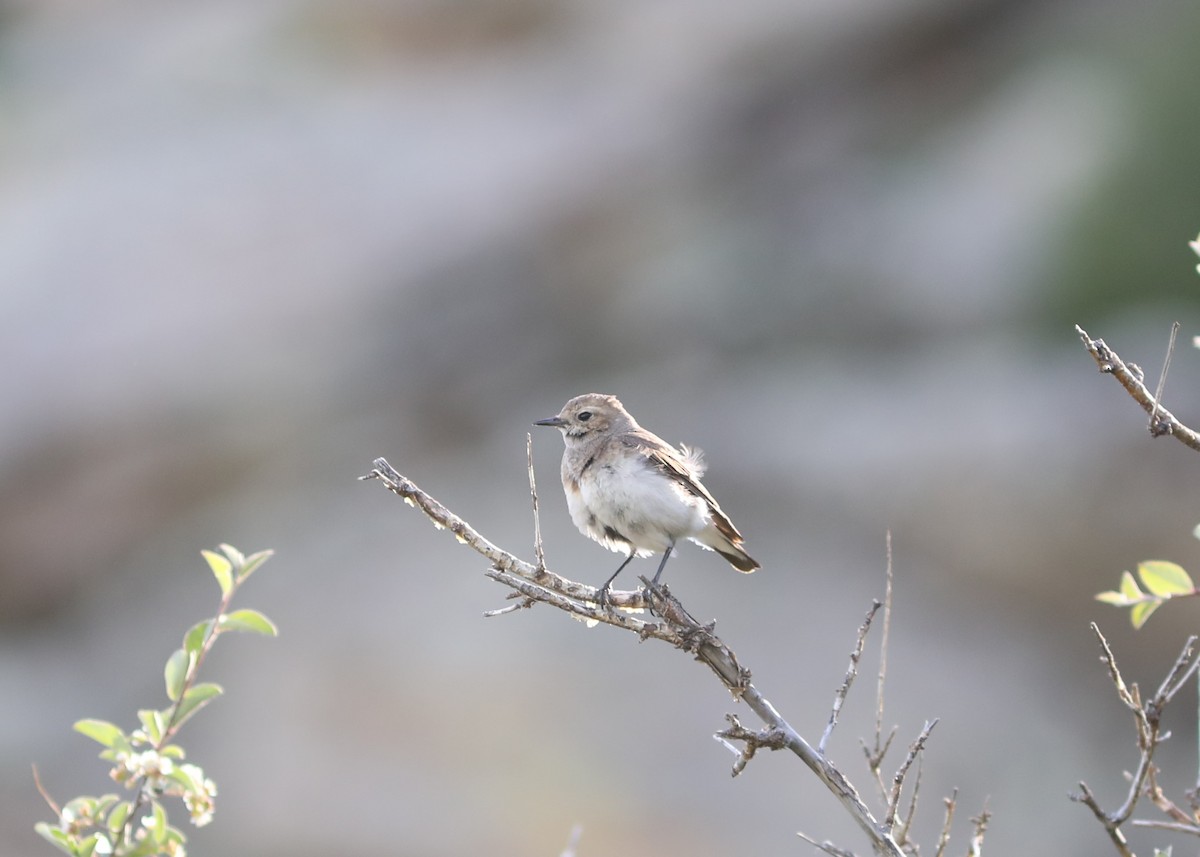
(651, 593)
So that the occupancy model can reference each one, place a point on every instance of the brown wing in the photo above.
(666, 458)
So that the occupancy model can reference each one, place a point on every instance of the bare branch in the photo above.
(1114, 673)
(914, 750)
(1088, 799)
(881, 748)
(980, 823)
(1149, 735)
(905, 824)
(1110, 363)
(1177, 677)
(524, 604)
(676, 627)
(944, 837)
(538, 551)
(1175, 826)
(37, 781)
(851, 673)
(772, 739)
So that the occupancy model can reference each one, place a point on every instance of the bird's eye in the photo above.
(584, 416)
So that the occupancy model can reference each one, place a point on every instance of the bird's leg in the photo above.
(666, 556)
(602, 596)
(654, 581)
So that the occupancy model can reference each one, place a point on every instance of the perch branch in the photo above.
(1162, 421)
(676, 627)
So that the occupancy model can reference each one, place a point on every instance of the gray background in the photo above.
(246, 247)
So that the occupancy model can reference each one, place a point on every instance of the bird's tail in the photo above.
(730, 548)
(739, 559)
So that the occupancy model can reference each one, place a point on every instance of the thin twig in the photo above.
(1176, 826)
(676, 627)
(944, 837)
(826, 846)
(37, 781)
(898, 780)
(1088, 799)
(538, 551)
(523, 604)
(883, 649)
(904, 825)
(1111, 364)
(876, 754)
(1178, 675)
(1157, 428)
(1165, 804)
(980, 823)
(839, 698)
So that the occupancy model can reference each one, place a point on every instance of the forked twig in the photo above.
(1147, 717)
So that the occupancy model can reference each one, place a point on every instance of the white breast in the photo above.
(647, 508)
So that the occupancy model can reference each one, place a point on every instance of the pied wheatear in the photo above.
(633, 492)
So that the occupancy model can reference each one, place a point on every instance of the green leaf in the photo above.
(1141, 612)
(248, 620)
(172, 751)
(87, 846)
(1129, 587)
(253, 562)
(176, 672)
(1165, 578)
(118, 817)
(221, 569)
(101, 731)
(196, 698)
(158, 830)
(235, 555)
(193, 640)
(1114, 598)
(152, 724)
(52, 834)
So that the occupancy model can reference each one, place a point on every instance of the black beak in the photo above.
(553, 422)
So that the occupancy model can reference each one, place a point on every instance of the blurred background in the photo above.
(247, 246)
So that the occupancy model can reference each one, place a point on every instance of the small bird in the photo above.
(633, 492)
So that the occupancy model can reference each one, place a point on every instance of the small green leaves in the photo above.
(144, 762)
(252, 563)
(116, 818)
(63, 840)
(248, 620)
(222, 569)
(194, 699)
(1163, 580)
(193, 640)
(102, 731)
(176, 672)
(153, 725)
(233, 568)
